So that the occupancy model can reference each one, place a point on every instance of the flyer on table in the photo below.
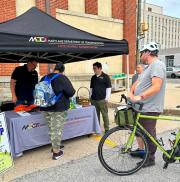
(6, 160)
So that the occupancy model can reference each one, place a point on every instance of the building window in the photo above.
(149, 9)
(169, 61)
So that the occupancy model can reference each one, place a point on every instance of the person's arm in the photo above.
(13, 93)
(134, 87)
(14, 78)
(108, 88)
(68, 90)
(91, 87)
(108, 93)
(131, 93)
(90, 94)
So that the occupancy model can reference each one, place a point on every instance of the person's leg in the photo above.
(96, 104)
(57, 123)
(150, 126)
(47, 116)
(104, 112)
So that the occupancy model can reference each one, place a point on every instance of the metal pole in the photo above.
(47, 9)
(47, 6)
(138, 30)
(128, 85)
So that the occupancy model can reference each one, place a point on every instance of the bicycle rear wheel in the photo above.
(112, 155)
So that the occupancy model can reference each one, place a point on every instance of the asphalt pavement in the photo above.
(89, 169)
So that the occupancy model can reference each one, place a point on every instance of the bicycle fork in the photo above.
(130, 139)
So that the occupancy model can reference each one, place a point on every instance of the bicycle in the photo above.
(121, 141)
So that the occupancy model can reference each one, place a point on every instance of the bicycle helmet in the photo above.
(151, 47)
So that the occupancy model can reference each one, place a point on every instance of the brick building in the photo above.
(115, 19)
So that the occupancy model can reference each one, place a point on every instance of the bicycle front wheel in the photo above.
(116, 157)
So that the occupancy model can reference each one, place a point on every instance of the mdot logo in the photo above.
(38, 39)
(32, 125)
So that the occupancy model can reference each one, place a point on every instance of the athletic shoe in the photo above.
(139, 153)
(148, 163)
(58, 155)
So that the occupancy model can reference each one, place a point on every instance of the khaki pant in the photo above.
(55, 122)
(101, 107)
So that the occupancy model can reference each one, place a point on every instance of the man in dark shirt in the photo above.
(100, 92)
(23, 81)
(56, 114)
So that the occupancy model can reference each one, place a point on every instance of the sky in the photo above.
(170, 7)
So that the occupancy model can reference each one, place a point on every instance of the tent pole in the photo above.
(128, 86)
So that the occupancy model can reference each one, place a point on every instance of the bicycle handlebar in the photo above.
(132, 104)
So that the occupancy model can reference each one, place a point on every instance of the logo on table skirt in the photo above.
(1, 130)
(1, 133)
(32, 126)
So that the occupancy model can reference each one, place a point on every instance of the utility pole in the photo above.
(47, 10)
(138, 29)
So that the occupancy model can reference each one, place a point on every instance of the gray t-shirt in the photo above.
(156, 102)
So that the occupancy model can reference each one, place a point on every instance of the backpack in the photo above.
(44, 95)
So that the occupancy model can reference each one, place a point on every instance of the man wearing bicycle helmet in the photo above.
(150, 90)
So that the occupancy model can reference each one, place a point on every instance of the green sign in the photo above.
(6, 160)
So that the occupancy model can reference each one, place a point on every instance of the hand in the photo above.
(130, 95)
(136, 98)
(14, 98)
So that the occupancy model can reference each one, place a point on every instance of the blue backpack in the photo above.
(44, 95)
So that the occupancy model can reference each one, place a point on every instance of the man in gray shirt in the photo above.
(150, 90)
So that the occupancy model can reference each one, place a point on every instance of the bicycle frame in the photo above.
(138, 125)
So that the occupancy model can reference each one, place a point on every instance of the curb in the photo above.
(171, 112)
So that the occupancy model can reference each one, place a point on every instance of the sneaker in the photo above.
(139, 153)
(148, 163)
(61, 148)
(58, 155)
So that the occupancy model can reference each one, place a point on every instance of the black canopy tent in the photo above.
(36, 34)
